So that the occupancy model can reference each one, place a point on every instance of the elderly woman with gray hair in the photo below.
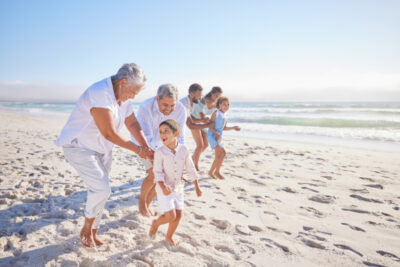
(89, 136)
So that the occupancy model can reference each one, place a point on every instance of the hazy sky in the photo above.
(255, 50)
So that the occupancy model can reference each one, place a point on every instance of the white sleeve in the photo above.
(189, 166)
(99, 98)
(182, 117)
(145, 120)
(158, 171)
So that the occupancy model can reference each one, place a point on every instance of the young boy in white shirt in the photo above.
(170, 160)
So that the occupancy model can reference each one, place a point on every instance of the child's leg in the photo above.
(214, 164)
(167, 217)
(172, 228)
(219, 164)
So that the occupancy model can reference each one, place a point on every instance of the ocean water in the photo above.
(373, 124)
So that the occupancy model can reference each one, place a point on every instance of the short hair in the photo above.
(214, 90)
(167, 90)
(222, 99)
(132, 73)
(195, 87)
(172, 124)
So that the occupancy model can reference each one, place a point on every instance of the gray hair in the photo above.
(132, 73)
(167, 90)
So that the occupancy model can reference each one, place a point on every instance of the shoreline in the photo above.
(368, 145)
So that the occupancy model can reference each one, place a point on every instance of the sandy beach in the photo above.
(281, 204)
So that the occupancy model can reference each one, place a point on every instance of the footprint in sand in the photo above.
(221, 224)
(271, 213)
(312, 244)
(378, 186)
(255, 228)
(355, 228)
(284, 248)
(198, 216)
(366, 199)
(314, 211)
(388, 254)
(348, 248)
(239, 212)
(325, 199)
(288, 190)
(242, 230)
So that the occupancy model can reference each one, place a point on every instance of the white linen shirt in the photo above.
(186, 103)
(168, 167)
(81, 124)
(150, 117)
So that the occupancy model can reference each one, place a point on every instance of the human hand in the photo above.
(219, 138)
(206, 120)
(236, 128)
(198, 192)
(166, 191)
(149, 153)
(211, 124)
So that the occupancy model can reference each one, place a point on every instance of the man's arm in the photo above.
(145, 120)
(194, 126)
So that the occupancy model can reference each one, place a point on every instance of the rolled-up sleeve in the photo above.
(159, 175)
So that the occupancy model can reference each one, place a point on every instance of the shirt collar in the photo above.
(170, 150)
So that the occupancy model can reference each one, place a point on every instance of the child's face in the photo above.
(224, 106)
(167, 136)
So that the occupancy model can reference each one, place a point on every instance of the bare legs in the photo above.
(200, 138)
(216, 165)
(172, 217)
(86, 235)
(146, 190)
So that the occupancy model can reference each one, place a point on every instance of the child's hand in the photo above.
(198, 192)
(166, 191)
(237, 128)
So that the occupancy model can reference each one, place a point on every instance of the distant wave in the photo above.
(319, 122)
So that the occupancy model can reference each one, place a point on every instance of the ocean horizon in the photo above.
(360, 124)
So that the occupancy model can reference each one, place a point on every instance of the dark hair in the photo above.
(214, 90)
(195, 87)
(172, 124)
(222, 99)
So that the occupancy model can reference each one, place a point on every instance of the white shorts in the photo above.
(175, 200)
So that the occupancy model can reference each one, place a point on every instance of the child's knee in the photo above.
(170, 215)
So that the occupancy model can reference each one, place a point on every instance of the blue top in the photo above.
(219, 124)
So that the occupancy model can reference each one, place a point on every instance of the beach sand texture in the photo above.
(281, 204)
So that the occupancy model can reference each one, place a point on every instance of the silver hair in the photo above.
(167, 90)
(132, 73)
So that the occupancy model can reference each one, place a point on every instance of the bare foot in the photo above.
(97, 240)
(172, 242)
(144, 211)
(219, 176)
(153, 230)
(211, 175)
(87, 238)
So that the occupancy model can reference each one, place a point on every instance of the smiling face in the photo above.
(168, 137)
(215, 96)
(224, 106)
(166, 104)
(195, 96)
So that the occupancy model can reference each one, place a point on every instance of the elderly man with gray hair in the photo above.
(151, 113)
(89, 136)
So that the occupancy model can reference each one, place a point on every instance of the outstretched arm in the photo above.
(134, 128)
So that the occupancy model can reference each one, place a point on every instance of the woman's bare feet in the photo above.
(219, 176)
(87, 238)
(97, 240)
(153, 230)
(211, 174)
(171, 241)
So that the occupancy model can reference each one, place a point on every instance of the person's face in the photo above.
(167, 136)
(129, 91)
(166, 104)
(214, 97)
(224, 106)
(196, 96)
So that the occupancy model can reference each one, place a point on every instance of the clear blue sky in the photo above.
(255, 50)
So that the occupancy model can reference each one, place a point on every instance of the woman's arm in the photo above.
(105, 123)
(134, 128)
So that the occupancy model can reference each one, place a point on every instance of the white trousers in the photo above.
(93, 170)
